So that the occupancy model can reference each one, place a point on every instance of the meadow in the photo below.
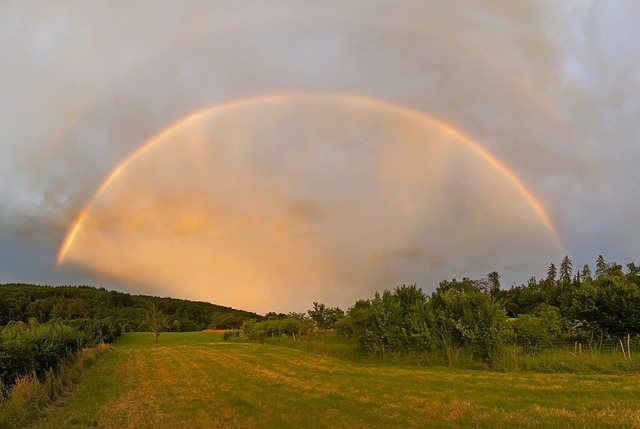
(196, 380)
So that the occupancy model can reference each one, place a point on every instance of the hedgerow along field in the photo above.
(195, 380)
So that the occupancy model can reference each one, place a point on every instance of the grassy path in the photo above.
(196, 381)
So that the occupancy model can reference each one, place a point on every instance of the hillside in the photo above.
(20, 302)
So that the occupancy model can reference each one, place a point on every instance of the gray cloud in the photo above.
(551, 89)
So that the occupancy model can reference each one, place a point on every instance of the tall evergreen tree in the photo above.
(601, 267)
(551, 273)
(566, 269)
(586, 273)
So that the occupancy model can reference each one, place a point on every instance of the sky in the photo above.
(265, 155)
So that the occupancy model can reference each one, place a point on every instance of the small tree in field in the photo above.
(156, 321)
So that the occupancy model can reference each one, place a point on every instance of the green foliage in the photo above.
(227, 320)
(230, 334)
(601, 267)
(258, 331)
(404, 321)
(541, 328)
(25, 401)
(465, 317)
(566, 269)
(605, 307)
(35, 348)
(96, 331)
(324, 317)
(610, 304)
(156, 321)
(20, 302)
(395, 322)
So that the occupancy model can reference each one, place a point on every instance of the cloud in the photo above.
(279, 200)
(550, 89)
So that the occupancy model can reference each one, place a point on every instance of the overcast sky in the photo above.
(551, 89)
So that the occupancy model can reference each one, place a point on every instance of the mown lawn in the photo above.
(197, 381)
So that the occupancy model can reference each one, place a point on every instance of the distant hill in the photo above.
(20, 302)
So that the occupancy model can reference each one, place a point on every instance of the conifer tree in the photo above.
(586, 273)
(601, 267)
(551, 273)
(566, 269)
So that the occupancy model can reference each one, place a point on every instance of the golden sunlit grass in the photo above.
(196, 381)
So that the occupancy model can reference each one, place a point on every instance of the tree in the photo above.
(566, 269)
(610, 305)
(397, 321)
(551, 273)
(577, 279)
(466, 317)
(614, 270)
(319, 315)
(494, 282)
(325, 317)
(156, 321)
(601, 267)
(489, 285)
(586, 273)
(543, 327)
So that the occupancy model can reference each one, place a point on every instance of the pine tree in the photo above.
(601, 267)
(566, 269)
(551, 273)
(586, 273)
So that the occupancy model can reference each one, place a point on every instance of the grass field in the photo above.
(194, 380)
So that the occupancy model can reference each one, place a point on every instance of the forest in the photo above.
(21, 302)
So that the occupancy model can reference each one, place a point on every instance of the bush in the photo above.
(230, 334)
(35, 348)
(258, 331)
(542, 328)
(30, 395)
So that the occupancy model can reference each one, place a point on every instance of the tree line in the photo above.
(22, 302)
(478, 317)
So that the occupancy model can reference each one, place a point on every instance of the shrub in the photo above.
(232, 333)
(35, 348)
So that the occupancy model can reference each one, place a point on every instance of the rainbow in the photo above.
(535, 204)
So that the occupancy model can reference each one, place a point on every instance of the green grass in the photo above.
(564, 361)
(197, 381)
